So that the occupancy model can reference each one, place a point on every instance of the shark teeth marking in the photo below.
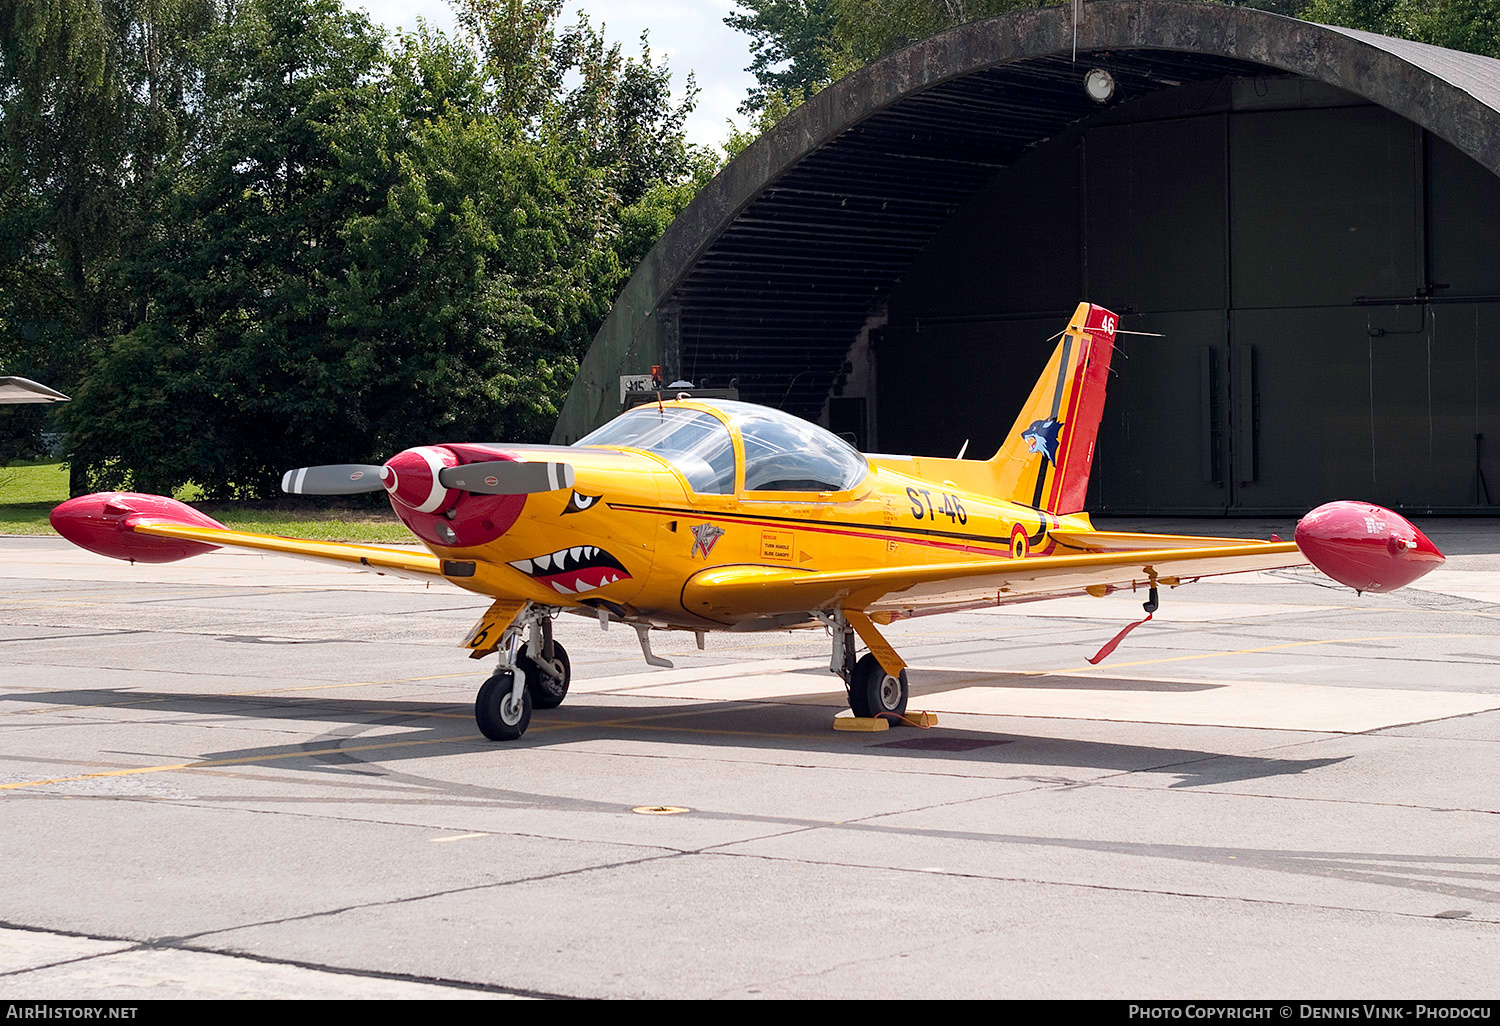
(574, 570)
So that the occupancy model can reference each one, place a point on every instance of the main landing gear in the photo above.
(873, 689)
(873, 692)
(533, 673)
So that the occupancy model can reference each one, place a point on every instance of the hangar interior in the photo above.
(1322, 274)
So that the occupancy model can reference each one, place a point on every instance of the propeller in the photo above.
(409, 476)
(507, 477)
(335, 479)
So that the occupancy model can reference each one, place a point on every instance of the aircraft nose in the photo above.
(411, 478)
(453, 517)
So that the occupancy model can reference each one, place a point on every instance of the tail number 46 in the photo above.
(951, 507)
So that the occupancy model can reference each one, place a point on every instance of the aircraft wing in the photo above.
(413, 563)
(157, 529)
(739, 592)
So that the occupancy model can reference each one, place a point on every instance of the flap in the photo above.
(731, 593)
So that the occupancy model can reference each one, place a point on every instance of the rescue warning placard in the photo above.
(776, 545)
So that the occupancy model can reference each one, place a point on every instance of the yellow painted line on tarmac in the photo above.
(356, 684)
(640, 723)
(647, 722)
(234, 694)
(420, 712)
(243, 760)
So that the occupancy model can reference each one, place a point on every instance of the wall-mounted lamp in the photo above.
(1099, 84)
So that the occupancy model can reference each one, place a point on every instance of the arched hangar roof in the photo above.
(775, 265)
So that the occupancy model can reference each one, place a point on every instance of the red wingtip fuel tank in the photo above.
(104, 522)
(1367, 547)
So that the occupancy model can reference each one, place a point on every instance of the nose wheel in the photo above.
(502, 713)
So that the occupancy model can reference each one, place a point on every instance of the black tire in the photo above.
(873, 692)
(493, 711)
(547, 692)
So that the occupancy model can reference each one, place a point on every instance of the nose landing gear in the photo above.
(532, 674)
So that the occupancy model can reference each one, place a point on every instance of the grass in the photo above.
(29, 490)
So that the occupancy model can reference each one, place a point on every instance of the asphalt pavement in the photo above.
(251, 776)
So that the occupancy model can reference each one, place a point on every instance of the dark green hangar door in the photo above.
(1302, 222)
(1321, 279)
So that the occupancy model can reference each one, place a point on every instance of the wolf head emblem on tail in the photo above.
(1041, 436)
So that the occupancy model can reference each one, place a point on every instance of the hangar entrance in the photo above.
(1324, 276)
(1307, 216)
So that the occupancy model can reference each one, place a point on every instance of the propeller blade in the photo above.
(507, 477)
(335, 479)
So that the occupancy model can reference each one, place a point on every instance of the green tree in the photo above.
(517, 40)
(869, 29)
(793, 47)
(92, 97)
(463, 309)
(232, 282)
(1469, 25)
(371, 246)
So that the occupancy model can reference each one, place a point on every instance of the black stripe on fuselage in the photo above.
(926, 532)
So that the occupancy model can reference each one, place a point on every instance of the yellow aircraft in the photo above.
(718, 515)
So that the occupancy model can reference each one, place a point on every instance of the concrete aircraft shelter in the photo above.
(1309, 215)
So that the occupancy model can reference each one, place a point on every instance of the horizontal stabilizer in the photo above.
(24, 390)
(1124, 541)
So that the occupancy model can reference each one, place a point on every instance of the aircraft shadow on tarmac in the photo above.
(799, 723)
(444, 731)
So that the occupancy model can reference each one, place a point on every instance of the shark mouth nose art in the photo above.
(573, 571)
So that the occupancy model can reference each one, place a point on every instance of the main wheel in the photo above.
(500, 717)
(873, 691)
(547, 691)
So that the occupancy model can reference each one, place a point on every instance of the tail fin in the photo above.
(1045, 460)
